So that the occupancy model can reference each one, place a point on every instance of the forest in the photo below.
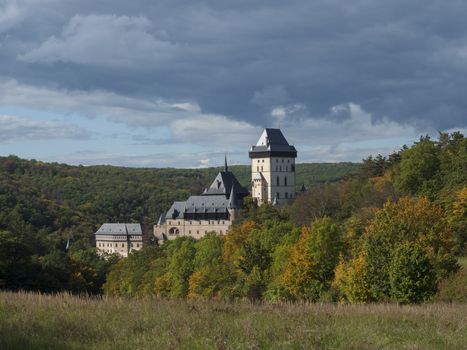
(395, 231)
(389, 229)
(45, 207)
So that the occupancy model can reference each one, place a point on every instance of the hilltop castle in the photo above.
(272, 181)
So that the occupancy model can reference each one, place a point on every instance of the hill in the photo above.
(97, 194)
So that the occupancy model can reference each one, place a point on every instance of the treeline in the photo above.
(47, 207)
(393, 232)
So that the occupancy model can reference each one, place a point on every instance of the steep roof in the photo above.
(272, 143)
(176, 211)
(222, 184)
(119, 229)
(224, 193)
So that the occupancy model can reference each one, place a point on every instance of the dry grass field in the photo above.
(34, 321)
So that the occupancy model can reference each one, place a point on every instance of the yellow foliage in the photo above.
(351, 282)
(299, 267)
(162, 285)
(237, 235)
(459, 207)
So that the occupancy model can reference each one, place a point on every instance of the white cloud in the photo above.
(13, 128)
(213, 130)
(96, 103)
(108, 40)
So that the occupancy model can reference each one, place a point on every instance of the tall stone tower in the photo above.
(272, 168)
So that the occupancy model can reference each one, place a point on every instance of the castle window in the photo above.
(261, 168)
(258, 160)
(197, 232)
(277, 195)
(286, 168)
(285, 181)
(189, 232)
(277, 182)
(292, 167)
(257, 168)
(286, 195)
(123, 245)
(263, 160)
(282, 161)
(288, 160)
(220, 232)
(280, 167)
(277, 160)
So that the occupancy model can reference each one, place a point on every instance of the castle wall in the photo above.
(118, 244)
(174, 228)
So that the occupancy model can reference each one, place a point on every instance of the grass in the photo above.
(34, 321)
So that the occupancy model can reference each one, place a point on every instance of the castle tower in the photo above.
(272, 168)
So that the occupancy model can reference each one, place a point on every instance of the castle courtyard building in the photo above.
(121, 239)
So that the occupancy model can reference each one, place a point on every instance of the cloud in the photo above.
(212, 74)
(13, 128)
(108, 40)
(94, 103)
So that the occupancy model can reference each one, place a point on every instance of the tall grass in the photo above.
(34, 321)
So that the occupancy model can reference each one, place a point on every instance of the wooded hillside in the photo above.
(43, 205)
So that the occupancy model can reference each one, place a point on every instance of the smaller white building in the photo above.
(119, 238)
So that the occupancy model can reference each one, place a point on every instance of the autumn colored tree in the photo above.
(408, 220)
(351, 280)
(310, 269)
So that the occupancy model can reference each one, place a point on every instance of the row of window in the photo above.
(99, 244)
(286, 195)
(174, 231)
(190, 222)
(277, 160)
(278, 168)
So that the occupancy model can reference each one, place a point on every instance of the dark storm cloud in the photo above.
(404, 61)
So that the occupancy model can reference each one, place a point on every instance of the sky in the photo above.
(175, 83)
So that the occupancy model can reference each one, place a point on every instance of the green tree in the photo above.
(412, 276)
(418, 170)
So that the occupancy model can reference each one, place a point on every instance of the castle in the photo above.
(272, 181)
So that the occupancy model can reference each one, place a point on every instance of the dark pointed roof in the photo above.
(233, 200)
(222, 184)
(224, 193)
(272, 143)
(303, 188)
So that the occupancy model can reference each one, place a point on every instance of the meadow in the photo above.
(63, 321)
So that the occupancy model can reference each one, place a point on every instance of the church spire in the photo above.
(226, 168)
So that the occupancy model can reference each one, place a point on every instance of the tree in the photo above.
(412, 276)
(418, 169)
(310, 269)
(408, 220)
